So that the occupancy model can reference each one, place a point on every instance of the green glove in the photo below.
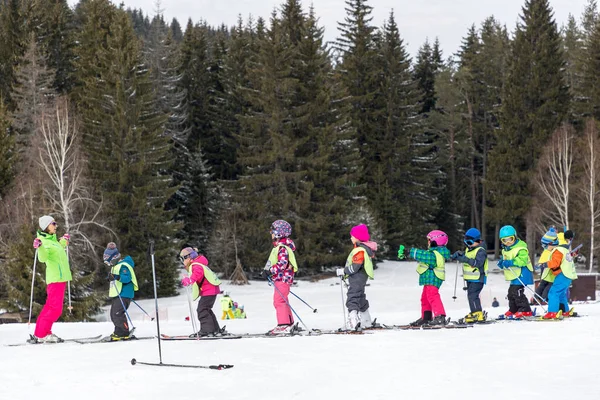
(401, 255)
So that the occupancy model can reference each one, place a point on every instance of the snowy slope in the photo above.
(509, 360)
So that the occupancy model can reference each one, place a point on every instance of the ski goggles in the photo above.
(508, 240)
(182, 259)
(469, 241)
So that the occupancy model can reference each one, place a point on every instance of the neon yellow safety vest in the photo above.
(512, 273)
(547, 274)
(115, 289)
(226, 303)
(440, 267)
(368, 263)
(292, 258)
(567, 266)
(209, 275)
(471, 273)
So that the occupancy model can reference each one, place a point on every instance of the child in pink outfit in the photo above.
(280, 269)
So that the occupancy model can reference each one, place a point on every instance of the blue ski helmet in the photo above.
(506, 231)
(471, 236)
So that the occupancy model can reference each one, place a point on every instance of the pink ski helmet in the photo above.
(281, 229)
(437, 238)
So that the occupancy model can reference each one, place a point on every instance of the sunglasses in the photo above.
(508, 239)
(53, 223)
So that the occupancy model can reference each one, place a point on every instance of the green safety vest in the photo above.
(471, 273)
(368, 262)
(512, 273)
(209, 275)
(292, 258)
(440, 267)
(567, 266)
(226, 303)
(547, 274)
(115, 289)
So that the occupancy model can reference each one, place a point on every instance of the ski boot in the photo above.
(438, 320)
(354, 323)
(550, 315)
(51, 338)
(523, 314)
(280, 330)
(365, 319)
(476, 316)
(570, 313)
(427, 317)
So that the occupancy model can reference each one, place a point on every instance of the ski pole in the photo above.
(189, 297)
(70, 308)
(32, 282)
(123, 304)
(455, 280)
(155, 300)
(287, 302)
(144, 311)
(535, 295)
(298, 297)
(343, 302)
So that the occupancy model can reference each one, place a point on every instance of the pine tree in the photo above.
(128, 152)
(53, 24)
(7, 150)
(535, 103)
(11, 47)
(176, 32)
(390, 145)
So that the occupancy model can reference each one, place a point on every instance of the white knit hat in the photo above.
(45, 221)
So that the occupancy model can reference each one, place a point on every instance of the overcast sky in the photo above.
(417, 19)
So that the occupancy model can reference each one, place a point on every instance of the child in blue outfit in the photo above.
(123, 285)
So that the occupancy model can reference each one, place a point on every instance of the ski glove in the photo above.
(508, 263)
(500, 263)
(461, 258)
(113, 277)
(540, 266)
(186, 281)
(457, 254)
(401, 255)
(37, 242)
(66, 236)
(340, 272)
(265, 273)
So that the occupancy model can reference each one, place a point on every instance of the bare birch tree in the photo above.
(553, 178)
(61, 161)
(591, 190)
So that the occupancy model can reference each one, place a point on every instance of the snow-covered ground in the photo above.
(515, 360)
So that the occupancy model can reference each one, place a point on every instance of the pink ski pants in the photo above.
(52, 309)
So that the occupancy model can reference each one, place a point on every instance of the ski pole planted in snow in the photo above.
(192, 319)
(298, 297)
(70, 308)
(455, 280)
(144, 311)
(32, 282)
(343, 302)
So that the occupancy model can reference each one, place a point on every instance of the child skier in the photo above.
(123, 285)
(358, 269)
(205, 284)
(280, 269)
(226, 307)
(53, 253)
(475, 268)
(562, 267)
(518, 271)
(432, 273)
